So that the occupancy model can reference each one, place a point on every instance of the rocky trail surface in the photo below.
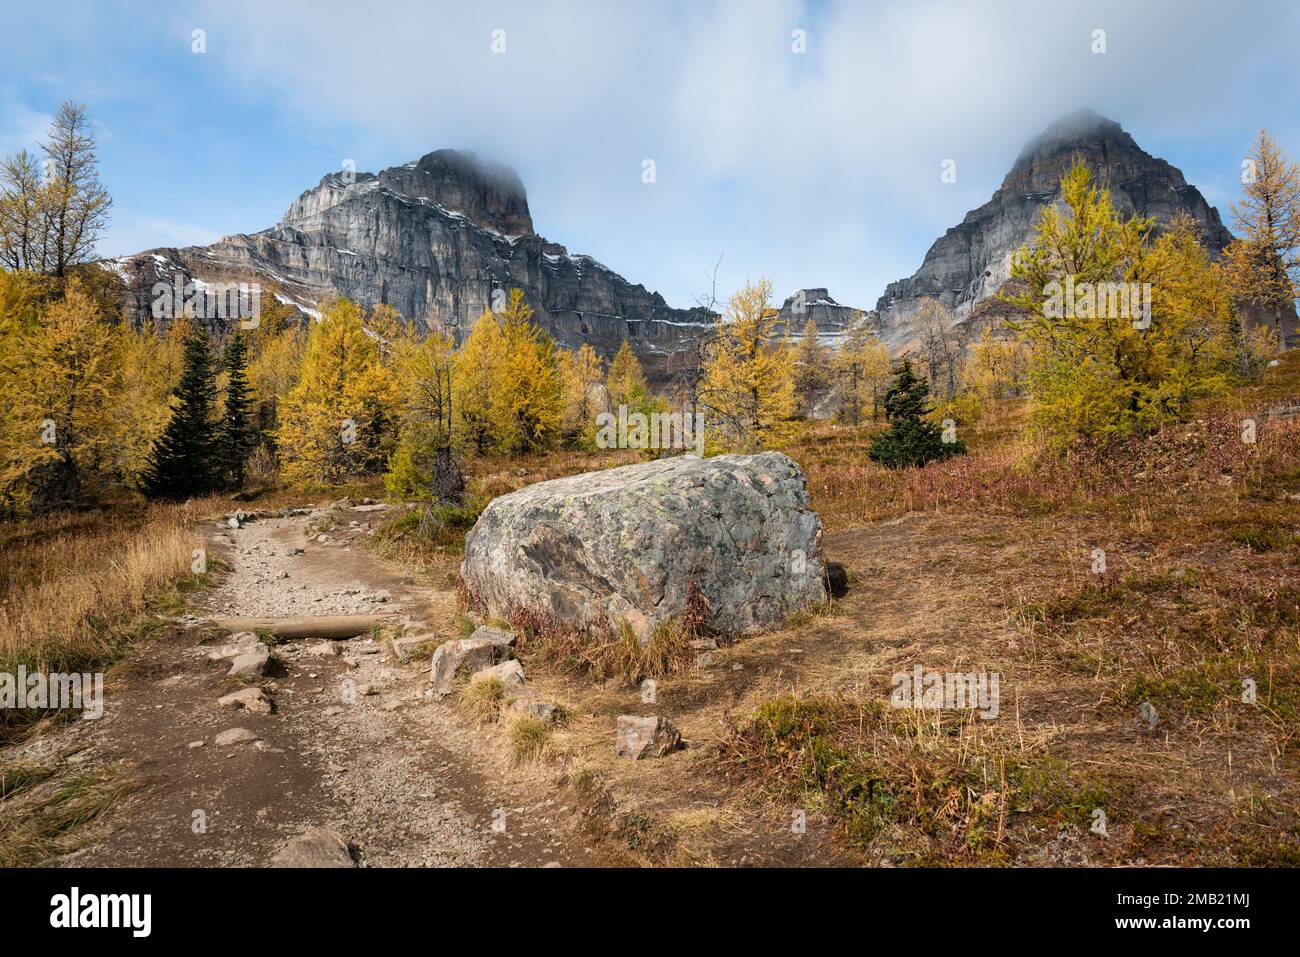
(353, 743)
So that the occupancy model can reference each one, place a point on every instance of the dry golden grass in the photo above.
(916, 786)
(982, 563)
(483, 699)
(74, 588)
(63, 609)
(613, 653)
(43, 814)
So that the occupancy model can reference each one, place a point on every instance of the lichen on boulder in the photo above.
(623, 547)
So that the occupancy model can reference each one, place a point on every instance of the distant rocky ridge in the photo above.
(967, 266)
(971, 261)
(434, 239)
(830, 317)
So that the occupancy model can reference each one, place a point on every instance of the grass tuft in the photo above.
(612, 652)
(483, 698)
(529, 740)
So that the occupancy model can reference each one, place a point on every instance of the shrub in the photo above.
(910, 440)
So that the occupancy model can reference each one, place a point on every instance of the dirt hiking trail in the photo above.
(352, 744)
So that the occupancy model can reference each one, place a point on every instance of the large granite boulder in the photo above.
(626, 544)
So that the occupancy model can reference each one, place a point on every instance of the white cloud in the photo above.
(23, 127)
(814, 169)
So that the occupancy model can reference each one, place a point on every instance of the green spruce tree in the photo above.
(236, 437)
(184, 459)
(910, 439)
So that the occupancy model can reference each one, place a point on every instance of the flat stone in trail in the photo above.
(405, 648)
(237, 736)
(240, 643)
(249, 699)
(484, 648)
(319, 847)
(251, 664)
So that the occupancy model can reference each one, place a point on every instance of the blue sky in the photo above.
(819, 168)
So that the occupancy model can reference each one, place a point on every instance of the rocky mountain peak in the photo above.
(1081, 129)
(436, 239)
(972, 260)
(490, 195)
(815, 303)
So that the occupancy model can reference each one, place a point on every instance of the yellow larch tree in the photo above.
(1123, 329)
(941, 350)
(272, 374)
(476, 374)
(625, 382)
(423, 465)
(863, 371)
(747, 391)
(528, 400)
(582, 373)
(996, 366)
(391, 331)
(1264, 265)
(337, 421)
(61, 378)
(151, 367)
(812, 366)
(273, 318)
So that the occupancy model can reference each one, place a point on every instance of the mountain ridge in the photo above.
(969, 263)
(436, 237)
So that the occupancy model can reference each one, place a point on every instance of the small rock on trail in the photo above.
(319, 847)
(249, 699)
(651, 737)
(236, 736)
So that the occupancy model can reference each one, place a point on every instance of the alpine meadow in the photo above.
(347, 521)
